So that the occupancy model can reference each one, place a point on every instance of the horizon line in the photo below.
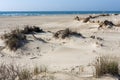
(55, 11)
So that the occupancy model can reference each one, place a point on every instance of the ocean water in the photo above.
(42, 13)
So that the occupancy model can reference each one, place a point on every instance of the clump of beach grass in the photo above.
(17, 38)
(106, 65)
(24, 75)
(14, 39)
(36, 71)
(106, 23)
(31, 29)
(77, 18)
(66, 33)
(7, 72)
(13, 72)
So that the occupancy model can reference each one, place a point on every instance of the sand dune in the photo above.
(70, 58)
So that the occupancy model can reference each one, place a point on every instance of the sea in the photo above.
(43, 13)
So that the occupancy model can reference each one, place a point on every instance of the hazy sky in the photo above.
(60, 5)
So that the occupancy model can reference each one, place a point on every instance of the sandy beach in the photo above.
(71, 58)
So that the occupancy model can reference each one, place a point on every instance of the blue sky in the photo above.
(60, 5)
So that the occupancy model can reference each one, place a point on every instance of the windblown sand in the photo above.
(70, 58)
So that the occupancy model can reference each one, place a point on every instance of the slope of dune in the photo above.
(70, 58)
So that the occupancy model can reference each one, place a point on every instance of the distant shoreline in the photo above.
(54, 13)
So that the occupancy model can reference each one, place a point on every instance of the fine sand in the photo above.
(70, 58)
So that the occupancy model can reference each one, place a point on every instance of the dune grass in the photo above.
(14, 39)
(106, 65)
(39, 70)
(67, 33)
(25, 75)
(12, 72)
(17, 38)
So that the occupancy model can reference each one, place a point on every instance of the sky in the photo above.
(59, 5)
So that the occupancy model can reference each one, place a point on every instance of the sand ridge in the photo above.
(69, 55)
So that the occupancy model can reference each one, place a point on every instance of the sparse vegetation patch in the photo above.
(31, 29)
(14, 39)
(17, 38)
(66, 33)
(106, 65)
